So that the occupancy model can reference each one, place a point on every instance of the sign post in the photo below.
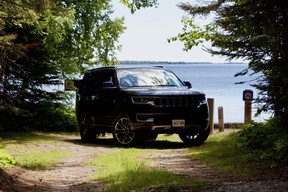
(247, 98)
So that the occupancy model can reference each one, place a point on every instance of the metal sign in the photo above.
(69, 85)
(247, 95)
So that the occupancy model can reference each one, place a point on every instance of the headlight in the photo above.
(201, 100)
(143, 100)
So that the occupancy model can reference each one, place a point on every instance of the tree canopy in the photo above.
(44, 41)
(252, 30)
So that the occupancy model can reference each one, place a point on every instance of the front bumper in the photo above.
(163, 122)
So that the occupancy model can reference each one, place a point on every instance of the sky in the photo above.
(145, 38)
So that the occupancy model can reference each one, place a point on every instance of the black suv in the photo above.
(138, 103)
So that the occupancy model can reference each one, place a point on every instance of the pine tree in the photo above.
(253, 30)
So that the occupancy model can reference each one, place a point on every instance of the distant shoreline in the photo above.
(174, 63)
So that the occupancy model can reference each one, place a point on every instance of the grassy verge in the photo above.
(124, 171)
(40, 160)
(24, 137)
(220, 153)
(39, 155)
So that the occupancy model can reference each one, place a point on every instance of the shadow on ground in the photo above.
(108, 141)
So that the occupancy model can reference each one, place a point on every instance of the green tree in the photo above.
(94, 36)
(43, 41)
(27, 65)
(134, 5)
(92, 39)
(252, 30)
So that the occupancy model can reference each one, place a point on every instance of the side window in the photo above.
(86, 88)
(106, 77)
(93, 82)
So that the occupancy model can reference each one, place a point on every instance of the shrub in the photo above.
(45, 117)
(5, 159)
(55, 117)
(269, 140)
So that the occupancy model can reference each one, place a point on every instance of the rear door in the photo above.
(103, 94)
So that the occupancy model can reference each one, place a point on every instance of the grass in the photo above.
(220, 152)
(127, 168)
(124, 170)
(169, 137)
(36, 156)
(40, 160)
(24, 137)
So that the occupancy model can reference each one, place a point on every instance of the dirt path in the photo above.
(178, 163)
(72, 174)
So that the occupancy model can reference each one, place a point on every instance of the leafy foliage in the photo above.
(251, 30)
(27, 64)
(57, 117)
(45, 117)
(43, 42)
(5, 159)
(269, 140)
(137, 4)
(93, 38)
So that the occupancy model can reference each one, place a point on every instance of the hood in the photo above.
(162, 91)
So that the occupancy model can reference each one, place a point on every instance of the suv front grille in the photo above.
(175, 101)
(170, 101)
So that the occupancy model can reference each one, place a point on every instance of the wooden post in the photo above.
(247, 98)
(247, 113)
(220, 119)
(211, 111)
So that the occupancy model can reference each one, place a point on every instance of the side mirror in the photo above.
(188, 84)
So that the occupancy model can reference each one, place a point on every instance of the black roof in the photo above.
(126, 67)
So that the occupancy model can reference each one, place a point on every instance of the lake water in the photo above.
(217, 81)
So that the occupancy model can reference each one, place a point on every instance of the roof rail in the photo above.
(99, 68)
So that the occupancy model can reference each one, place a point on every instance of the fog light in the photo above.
(144, 118)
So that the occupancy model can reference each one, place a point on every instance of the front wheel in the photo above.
(196, 138)
(122, 132)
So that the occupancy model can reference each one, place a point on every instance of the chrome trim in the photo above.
(165, 127)
(171, 101)
(149, 120)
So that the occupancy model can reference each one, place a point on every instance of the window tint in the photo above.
(93, 81)
(148, 77)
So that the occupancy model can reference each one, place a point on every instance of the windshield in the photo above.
(147, 77)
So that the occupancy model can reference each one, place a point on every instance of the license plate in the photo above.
(178, 122)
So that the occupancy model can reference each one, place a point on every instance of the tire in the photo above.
(122, 132)
(87, 134)
(195, 138)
